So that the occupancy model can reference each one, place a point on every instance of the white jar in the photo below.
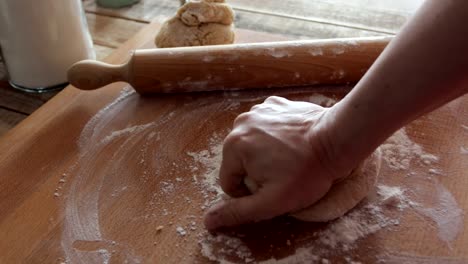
(41, 39)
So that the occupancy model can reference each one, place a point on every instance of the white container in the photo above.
(41, 39)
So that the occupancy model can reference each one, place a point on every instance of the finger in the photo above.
(232, 170)
(252, 208)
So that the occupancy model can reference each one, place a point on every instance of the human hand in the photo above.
(283, 147)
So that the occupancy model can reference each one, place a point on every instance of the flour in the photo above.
(347, 230)
(338, 50)
(463, 150)
(446, 214)
(278, 53)
(181, 231)
(300, 256)
(394, 196)
(399, 151)
(167, 187)
(220, 248)
(316, 52)
(210, 160)
(125, 132)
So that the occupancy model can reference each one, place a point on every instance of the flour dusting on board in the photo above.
(446, 214)
(399, 151)
(139, 156)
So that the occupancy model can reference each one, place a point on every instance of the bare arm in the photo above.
(424, 67)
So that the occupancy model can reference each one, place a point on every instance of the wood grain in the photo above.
(102, 52)
(2, 70)
(111, 32)
(112, 157)
(362, 15)
(236, 66)
(8, 119)
(305, 19)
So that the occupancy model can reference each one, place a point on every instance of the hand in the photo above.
(282, 146)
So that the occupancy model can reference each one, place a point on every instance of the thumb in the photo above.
(251, 208)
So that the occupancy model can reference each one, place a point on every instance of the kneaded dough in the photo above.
(196, 13)
(343, 195)
(198, 23)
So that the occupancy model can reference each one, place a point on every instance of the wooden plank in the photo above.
(111, 32)
(381, 17)
(9, 119)
(2, 70)
(143, 11)
(87, 177)
(326, 15)
(102, 52)
(297, 29)
(257, 21)
(22, 102)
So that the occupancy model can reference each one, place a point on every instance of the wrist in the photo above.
(326, 148)
(354, 132)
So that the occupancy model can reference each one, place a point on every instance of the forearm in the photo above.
(424, 67)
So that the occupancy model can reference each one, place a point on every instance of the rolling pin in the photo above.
(236, 66)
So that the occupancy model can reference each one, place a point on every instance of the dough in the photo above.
(198, 23)
(343, 195)
(196, 13)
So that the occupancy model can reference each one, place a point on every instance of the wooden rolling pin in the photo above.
(237, 66)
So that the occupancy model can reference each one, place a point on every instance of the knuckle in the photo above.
(242, 118)
(232, 138)
(255, 107)
(272, 99)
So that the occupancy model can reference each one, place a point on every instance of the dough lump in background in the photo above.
(343, 195)
(198, 23)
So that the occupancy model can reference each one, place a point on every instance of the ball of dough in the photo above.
(343, 195)
(196, 13)
(174, 33)
(198, 23)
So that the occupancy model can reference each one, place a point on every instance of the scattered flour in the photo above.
(463, 150)
(345, 231)
(167, 187)
(181, 231)
(338, 50)
(126, 131)
(210, 160)
(399, 151)
(300, 256)
(279, 53)
(221, 248)
(316, 52)
(394, 196)
(446, 214)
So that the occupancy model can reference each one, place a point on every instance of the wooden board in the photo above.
(90, 176)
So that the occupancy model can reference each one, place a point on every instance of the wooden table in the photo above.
(296, 19)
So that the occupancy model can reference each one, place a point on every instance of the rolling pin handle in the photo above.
(91, 74)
